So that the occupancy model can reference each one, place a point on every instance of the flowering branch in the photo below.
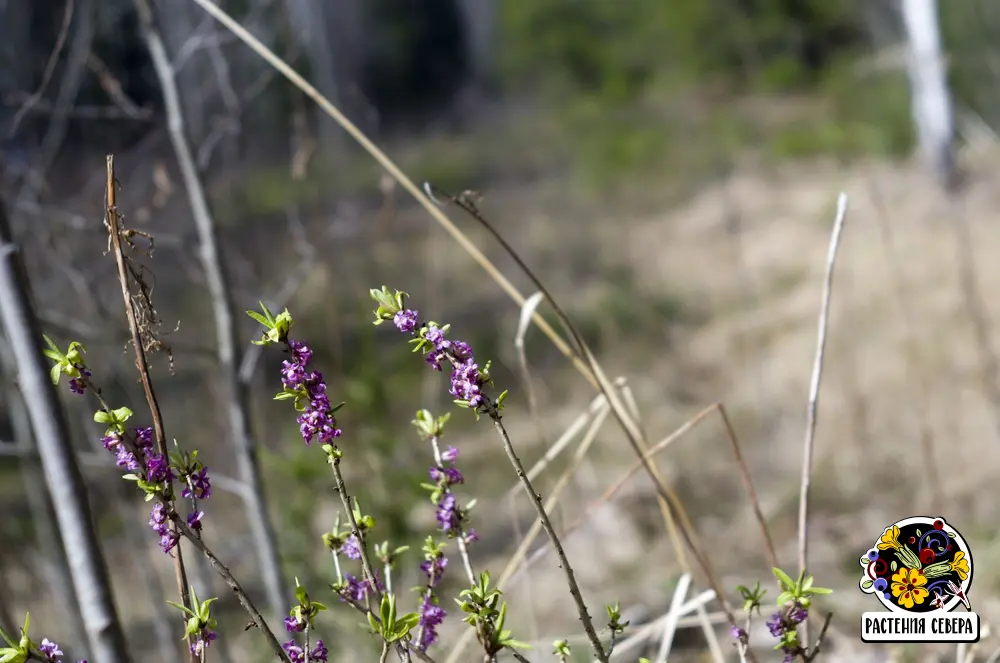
(468, 383)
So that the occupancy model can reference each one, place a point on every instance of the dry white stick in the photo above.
(680, 592)
(817, 375)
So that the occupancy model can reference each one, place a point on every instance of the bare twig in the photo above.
(241, 595)
(115, 232)
(543, 517)
(814, 384)
(69, 89)
(50, 68)
(748, 485)
(227, 336)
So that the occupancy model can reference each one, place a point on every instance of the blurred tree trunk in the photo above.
(224, 311)
(62, 475)
(51, 547)
(931, 100)
(480, 18)
(317, 36)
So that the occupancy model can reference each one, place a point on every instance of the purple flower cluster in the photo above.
(431, 614)
(51, 651)
(467, 379)
(197, 485)
(449, 515)
(356, 589)
(160, 523)
(784, 622)
(201, 640)
(350, 548)
(298, 655)
(317, 420)
(295, 624)
(79, 385)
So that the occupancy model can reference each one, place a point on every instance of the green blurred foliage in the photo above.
(617, 72)
(615, 50)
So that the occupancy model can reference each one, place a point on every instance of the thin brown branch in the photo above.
(112, 220)
(543, 517)
(748, 485)
(241, 595)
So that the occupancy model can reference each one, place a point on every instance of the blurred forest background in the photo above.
(670, 170)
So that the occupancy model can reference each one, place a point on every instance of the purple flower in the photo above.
(202, 640)
(355, 588)
(158, 521)
(295, 653)
(434, 568)
(317, 421)
(198, 485)
(406, 320)
(294, 624)
(435, 335)
(471, 536)
(319, 652)
(79, 385)
(449, 455)
(466, 381)
(448, 514)
(194, 520)
(158, 469)
(798, 614)
(50, 649)
(111, 442)
(446, 475)
(143, 438)
(301, 353)
(125, 458)
(776, 625)
(350, 548)
(736, 632)
(431, 616)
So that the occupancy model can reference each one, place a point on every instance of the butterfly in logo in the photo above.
(955, 590)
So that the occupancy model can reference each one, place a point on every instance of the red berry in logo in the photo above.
(926, 556)
(938, 524)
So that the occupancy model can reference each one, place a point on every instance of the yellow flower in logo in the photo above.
(960, 565)
(908, 587)
(890, 539)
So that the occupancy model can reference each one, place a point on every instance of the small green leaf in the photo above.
(102, 417)
(820, 590)
(786, 582)
(867, 584)
(259, 318)
(55, 372)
